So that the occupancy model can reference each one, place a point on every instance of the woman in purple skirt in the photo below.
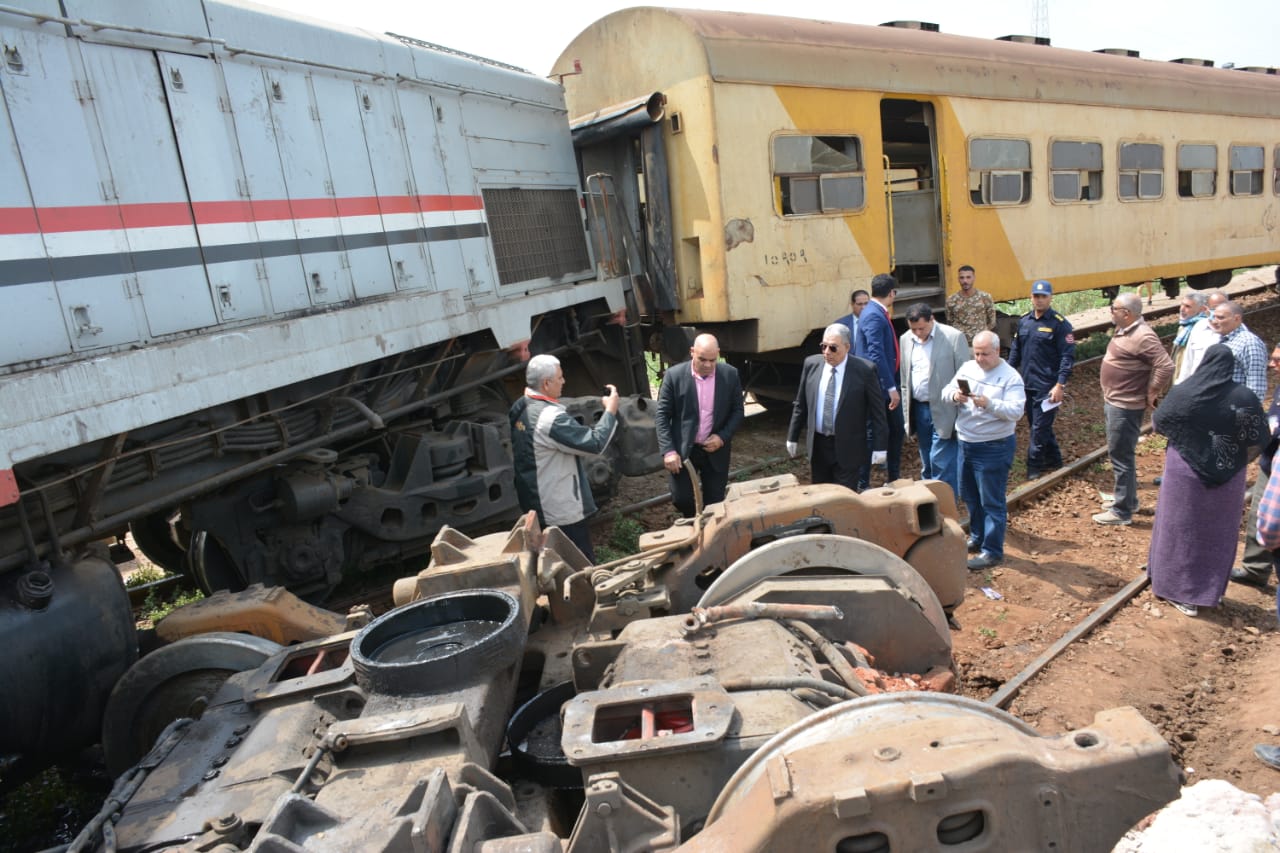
(1214, 426)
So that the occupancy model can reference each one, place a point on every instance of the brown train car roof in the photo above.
(766, 49)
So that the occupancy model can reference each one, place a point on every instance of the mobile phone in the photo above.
(963, 385)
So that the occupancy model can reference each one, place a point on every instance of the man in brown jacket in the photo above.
(1134, 372)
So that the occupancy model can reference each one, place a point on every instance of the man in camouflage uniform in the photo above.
(969, 309)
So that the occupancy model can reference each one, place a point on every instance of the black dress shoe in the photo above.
(974, 547)
(1248, 578)
(1268, 755)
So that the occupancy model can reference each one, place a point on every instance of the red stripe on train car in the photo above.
(18, 220)
(112, 217)
(8, 487)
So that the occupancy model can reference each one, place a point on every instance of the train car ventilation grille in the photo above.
(536, 233)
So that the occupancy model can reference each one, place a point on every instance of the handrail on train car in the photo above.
(888, 202)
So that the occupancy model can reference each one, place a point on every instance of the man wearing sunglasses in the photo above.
(838, 399)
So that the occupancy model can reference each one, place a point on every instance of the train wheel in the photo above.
(174, 681)
(212, 565)
(157, 538)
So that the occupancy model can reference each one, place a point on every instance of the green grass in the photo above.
(989, 633)
(653, 363)
(145, 575)
(1065, 304)
(49, 809)
(156, 607)
(624, 539)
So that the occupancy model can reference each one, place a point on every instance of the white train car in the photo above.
(268, 285)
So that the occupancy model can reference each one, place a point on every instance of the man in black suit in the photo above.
(699, 410)
(838, 398)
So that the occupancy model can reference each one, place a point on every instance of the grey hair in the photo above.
(840, 330)
(987, 337)
(1234, 307)
(1196, 296)
(1130, 302)
(539, 369)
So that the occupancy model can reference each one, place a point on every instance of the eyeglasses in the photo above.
(829, 347)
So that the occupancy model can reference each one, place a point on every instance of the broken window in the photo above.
(1197, 171)
(1075, 170)
(1246, 164)
(999, 171)
(1141, 170)
(818, 174)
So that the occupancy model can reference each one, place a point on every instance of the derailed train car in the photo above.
(268, 285)
(782, 163)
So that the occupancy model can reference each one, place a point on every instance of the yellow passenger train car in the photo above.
(783, 162)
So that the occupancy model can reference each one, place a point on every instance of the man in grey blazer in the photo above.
(699, 410)
(931, 354)
(839, 395)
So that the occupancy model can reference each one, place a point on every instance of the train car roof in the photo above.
(657, 48)
(235, 27)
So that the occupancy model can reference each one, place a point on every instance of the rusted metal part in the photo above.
(898, 517)
(902, 772)
(272, 613)
(700, 617)
(388, 739)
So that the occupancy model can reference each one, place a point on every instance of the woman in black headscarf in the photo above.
(1214, 427)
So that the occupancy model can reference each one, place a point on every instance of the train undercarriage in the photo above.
(750, 677)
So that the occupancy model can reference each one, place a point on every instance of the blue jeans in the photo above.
(984, 479)
(1123, 426)
(944, 461)
(922, 423)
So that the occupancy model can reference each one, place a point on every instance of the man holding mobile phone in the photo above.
(991, 400)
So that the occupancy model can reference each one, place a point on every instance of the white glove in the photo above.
(879, 457)
(792, 448)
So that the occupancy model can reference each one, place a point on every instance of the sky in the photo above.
(532, 34)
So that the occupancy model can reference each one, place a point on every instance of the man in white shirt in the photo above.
(1200, 338)
(989, 411)
(932, 352)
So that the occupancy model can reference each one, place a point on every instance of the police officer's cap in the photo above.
(1042, 288)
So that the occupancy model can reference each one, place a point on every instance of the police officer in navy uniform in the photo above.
(1043, 351)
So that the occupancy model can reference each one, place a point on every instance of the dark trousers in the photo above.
(1257, 561)
(713, 482)
(1123, 428)
(893, 465)
(824, 467)
(579, 534)
(1043, 453)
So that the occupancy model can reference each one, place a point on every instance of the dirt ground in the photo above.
(1207, 682)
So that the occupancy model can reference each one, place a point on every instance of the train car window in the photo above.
(1075, 170)
(999, 171)
(818, 174)
(1141, 170)
(1197, 171)
(1246, 164)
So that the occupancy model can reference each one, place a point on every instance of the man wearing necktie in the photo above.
(838, 400)
(878, 343)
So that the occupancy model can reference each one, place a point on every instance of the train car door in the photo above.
(909, 140)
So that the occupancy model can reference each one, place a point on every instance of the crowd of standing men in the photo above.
(947, 385)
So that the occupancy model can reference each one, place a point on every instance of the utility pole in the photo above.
(1040, 18)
